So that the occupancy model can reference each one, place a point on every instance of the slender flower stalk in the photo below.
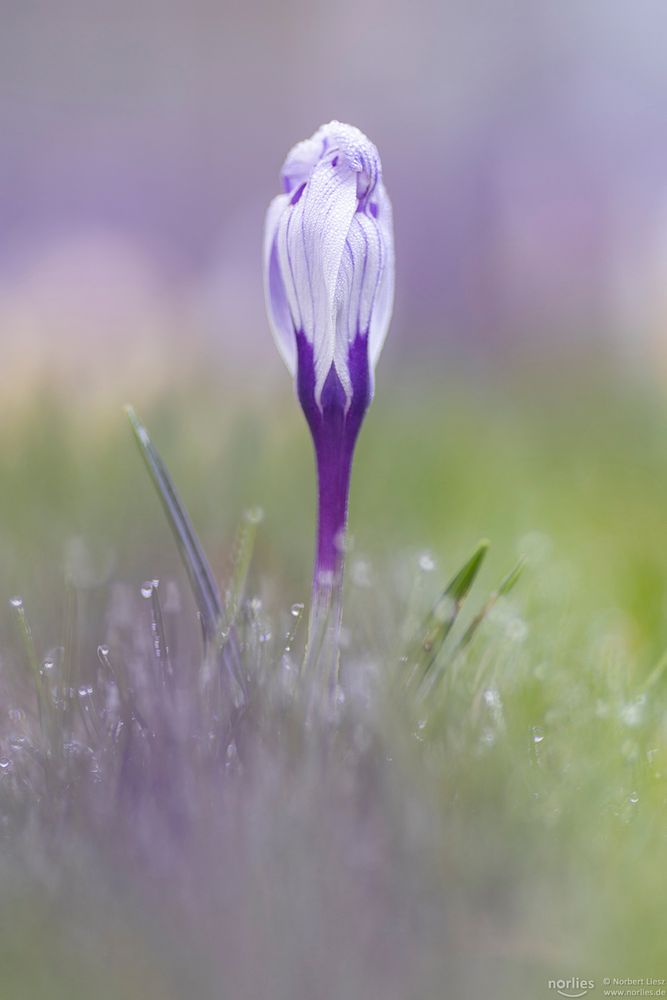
(329, 281)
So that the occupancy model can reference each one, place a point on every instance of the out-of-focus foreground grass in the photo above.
(549, 756)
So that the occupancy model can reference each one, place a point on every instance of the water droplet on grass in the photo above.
(360, 573)
(516, 629)
(16, 602)
(492, 697)
(254, 515)
(147, 589)
(426, 562)
(5, 763)
(632, 713)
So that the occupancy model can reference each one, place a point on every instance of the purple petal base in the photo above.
(334, 430)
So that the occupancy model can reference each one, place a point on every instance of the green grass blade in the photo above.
(440, 620)
(510, 581)
(504, 587)
(243, 550)
(25, 635)
(205, 588)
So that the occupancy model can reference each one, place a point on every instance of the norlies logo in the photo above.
(574, 987)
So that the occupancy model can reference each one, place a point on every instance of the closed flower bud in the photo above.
(329, 281)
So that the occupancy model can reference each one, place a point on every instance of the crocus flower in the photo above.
(329, 282)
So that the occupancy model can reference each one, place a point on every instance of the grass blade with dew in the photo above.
(45, 706)
(69, 671)
(243, 550)
(27, 642)
(150, 591)
(440, 620)
(204, 585)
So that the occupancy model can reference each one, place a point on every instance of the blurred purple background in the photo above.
(523, 146)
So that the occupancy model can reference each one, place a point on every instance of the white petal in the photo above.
(358, 282)
(384, 299)
(311, 239)
(277, 306)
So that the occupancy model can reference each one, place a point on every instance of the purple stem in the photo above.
(334, 427)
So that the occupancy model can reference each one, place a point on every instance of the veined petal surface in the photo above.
(328, 253)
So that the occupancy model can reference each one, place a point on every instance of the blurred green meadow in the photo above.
(569, 472)
(527, 798)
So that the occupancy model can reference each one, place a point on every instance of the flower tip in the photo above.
(329, 258)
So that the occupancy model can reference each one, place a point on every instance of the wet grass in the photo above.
(484, 809)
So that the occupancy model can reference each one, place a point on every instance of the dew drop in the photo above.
(361, 573)
(426, 562)
(444, 610)
(102, 651)
(632, 713)
(492, 698)
(343, 541)
(254, 515)
(16, 602)
(538, 734)
(633, 798)
(296, 610)
(147, 589)
(516, 629)
(5, 763)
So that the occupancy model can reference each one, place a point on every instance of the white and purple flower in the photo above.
(329, 281)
